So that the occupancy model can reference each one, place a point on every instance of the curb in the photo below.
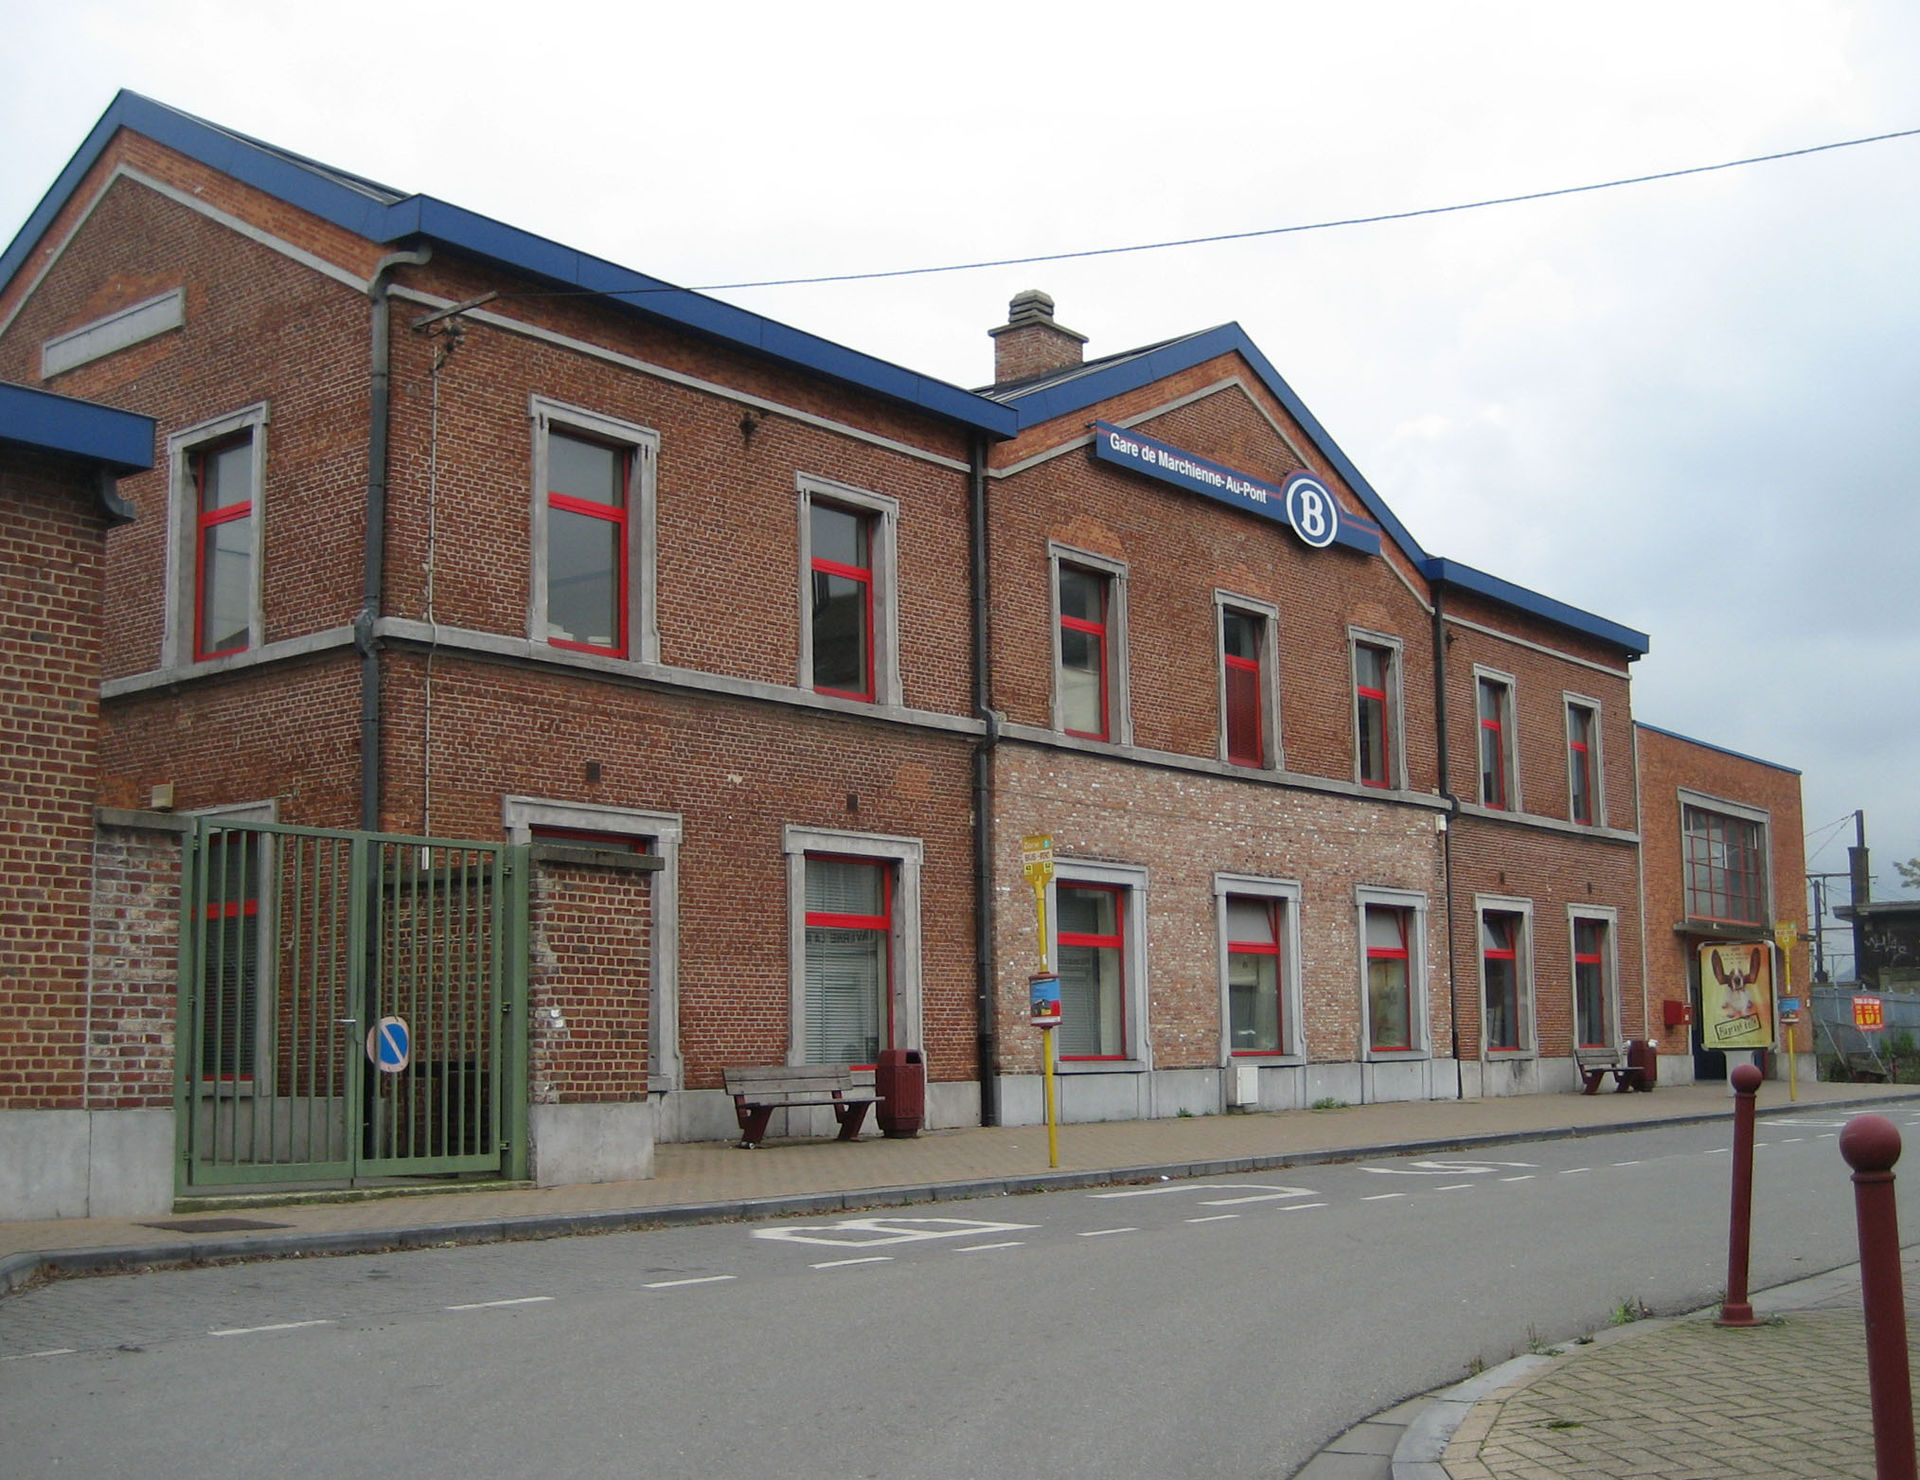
(20, 1269)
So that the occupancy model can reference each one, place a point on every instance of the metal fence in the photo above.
(1863, 1051)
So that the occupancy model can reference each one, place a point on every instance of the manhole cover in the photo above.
(214, 1225)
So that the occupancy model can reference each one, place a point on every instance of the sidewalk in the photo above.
(710, 1181)
(1645, 1399)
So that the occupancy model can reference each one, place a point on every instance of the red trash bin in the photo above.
(900, 1081)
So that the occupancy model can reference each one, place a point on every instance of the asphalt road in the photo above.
(1184, 1328)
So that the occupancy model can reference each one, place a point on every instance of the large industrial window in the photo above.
(1726, 867)
(1249, 729)
(848, 622)
(849, 960)
(1495, 707)
(1090, 928)
(216, 471)
(593, 533)
(1376, 710)
(1583, 773)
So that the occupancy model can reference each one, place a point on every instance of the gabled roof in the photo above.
(385, 215)
(119, 442)
(1063, 392)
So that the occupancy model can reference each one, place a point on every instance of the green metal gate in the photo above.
(352, 1007)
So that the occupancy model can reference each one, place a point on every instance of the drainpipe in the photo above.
(986, 1014)
(376, 544)
(1446, 838)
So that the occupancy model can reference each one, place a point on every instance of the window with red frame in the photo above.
(230, 982)
(1372, 675)
(1495, 718)
(841, 542)
(1726, 868)
(1240, 634)
(1084, 681)
(223, 546)
(1254, 1014)
(849, 967)
(587, 544)
(1390, 1022)
(1590, 996)
(1500, 968)
(1580, 762)
(1090, 920)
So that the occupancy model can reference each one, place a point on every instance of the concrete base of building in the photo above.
(571, 1144)
(86, 1163)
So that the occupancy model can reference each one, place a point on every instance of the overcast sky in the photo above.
(1688, 405)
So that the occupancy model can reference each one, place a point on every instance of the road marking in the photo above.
(1017, 1243)
(843, 1263)
(1214, 1218)
(1626, 1163)
(1573, 1171)
(865, 1233)
(1446, 1168)
(1455, 1187)
(1829, 1136)
(496, 1304)
(1527, 1177)
(1793, 1139)
(711, 1279)
(1717, 1151)
(58, 1351)
(1299, 1207)
(1103, 1232)
(1381, 1196)
(1262, 1192)
(278, 1326)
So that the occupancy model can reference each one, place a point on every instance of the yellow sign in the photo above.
(1785, 933)
(1036, 859)
(1736, 997)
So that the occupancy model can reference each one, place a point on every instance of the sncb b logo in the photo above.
(1311, 511)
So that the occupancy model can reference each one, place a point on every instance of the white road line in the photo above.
(1214, 1218)
(1792, 1139)
(843, 1263)
(710, 1279)
(1381, 1196)
(1826, 1135)
(1626, 1163)
(1574, 1171)
(58, 1351)
(1017, 1243)
(1761, 1145)
(1302, 1207)
(1103, 1232)
(1455, 1187)
(279, 1326)
(1527, 1177)
(1718, 1151)
(496, 1304)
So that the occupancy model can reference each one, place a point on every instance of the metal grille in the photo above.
(298, 944)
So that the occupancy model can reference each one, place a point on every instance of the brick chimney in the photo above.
(1030, 342)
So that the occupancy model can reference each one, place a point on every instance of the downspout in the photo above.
(378, 400)
(985, 1004)
(1446, 837)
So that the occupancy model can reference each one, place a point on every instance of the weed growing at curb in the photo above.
(1328, 1102)
(1629, 1311)
(1537, 1347)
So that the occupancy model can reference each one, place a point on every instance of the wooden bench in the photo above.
(1596, 1064)
(758, 1092)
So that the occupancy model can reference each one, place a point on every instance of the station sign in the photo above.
(1303, 502)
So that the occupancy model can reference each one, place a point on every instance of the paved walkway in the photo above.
(1677, 1399)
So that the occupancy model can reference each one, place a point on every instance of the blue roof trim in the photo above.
(1082, 391)
(311, 189)
(1453, 573)
(1739, 755)
(119, 441)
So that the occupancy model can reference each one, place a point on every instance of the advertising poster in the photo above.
(1736, 996)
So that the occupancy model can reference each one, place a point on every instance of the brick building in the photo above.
(455, 533)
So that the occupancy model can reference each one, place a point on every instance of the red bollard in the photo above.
(1871, 1145)
(1735, 1310)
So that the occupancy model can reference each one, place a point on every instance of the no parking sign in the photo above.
(389, 1045)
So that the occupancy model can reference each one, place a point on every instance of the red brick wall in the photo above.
(1669, 763)
(588, 983)
(1179, 548)
(50, 586)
